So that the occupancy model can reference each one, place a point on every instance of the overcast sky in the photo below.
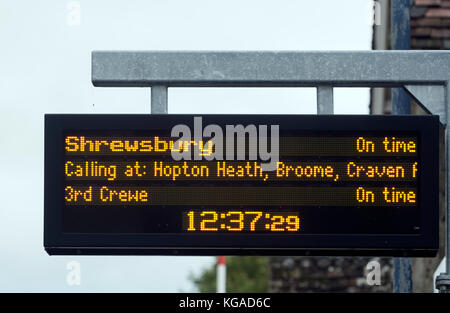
(45, 68)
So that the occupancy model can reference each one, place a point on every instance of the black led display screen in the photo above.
(337, 185)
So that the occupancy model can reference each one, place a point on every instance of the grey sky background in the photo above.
(45, 68)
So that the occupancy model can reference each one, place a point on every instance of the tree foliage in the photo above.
(244, 274)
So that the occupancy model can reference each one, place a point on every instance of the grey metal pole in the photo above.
(403, 275)
(325, 104)
(270, 68)
(400, 40)
(443, 280)
(159, 100)
(447, 139)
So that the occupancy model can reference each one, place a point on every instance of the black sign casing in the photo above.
(122, 230)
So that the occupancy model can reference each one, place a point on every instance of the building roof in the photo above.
(430, 24)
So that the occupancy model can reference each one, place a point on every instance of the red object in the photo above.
(221, 261)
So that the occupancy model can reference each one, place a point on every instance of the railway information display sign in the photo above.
(241, 184)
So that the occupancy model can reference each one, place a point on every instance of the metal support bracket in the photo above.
(159, 100)
(325, 100)
(443, 283)
(431, 98)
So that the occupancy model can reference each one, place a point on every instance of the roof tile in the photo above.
(427, 2)
(427, 43)
(440, 33)
(438, 12)
(421, 31)
(430, 22)
(445, 3)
